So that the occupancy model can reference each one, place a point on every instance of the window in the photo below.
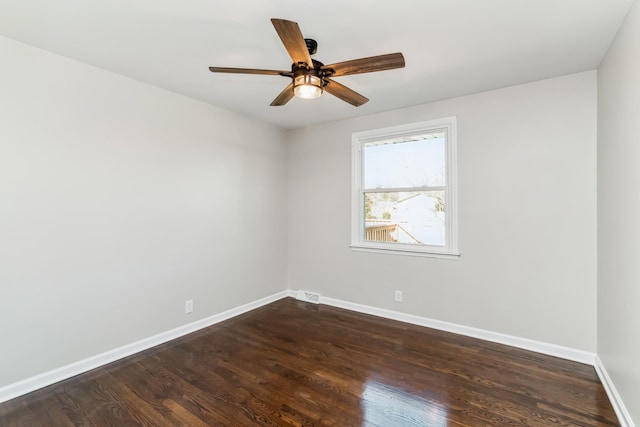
(404, 189)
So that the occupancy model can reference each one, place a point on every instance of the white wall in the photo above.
(527, 180)
(619, 212)
(118, 201)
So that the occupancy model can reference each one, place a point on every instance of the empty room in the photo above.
(284, 213)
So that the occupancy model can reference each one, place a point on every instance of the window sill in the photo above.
(420, 252)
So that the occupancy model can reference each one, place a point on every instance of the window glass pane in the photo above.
(416, 217)
(405, 164)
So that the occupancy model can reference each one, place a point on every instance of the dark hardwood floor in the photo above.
(295, 364)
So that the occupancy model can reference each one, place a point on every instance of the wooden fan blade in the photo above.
(293, 40)
(284, 97)
(249, 71)
(344, 93)
(367, 65)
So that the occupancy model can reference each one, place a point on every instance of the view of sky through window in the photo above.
(418, 163)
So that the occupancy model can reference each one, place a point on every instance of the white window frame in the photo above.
(358, 242)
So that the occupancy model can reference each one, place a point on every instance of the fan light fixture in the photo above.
(307, 86)
(308, 77)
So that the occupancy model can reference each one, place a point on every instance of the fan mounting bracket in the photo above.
(312, 46)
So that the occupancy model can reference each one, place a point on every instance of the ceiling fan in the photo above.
(309, 78)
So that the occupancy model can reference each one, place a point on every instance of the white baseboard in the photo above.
(523, 343)
(28, 385)
(621, 411)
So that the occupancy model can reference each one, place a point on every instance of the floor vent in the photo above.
(308, 296)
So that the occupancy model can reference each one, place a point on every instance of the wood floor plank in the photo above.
(296, 364)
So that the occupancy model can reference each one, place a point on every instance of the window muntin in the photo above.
(404, 189)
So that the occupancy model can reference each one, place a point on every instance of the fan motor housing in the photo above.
(302, 69)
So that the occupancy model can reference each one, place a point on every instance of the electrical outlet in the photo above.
(398, 296)
(188, 306)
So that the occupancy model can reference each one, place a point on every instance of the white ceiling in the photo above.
(451, 47)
